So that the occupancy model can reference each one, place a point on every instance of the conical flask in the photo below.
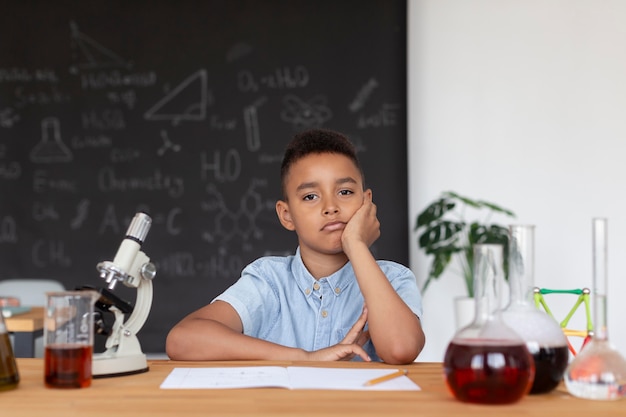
(9, 376)
(487, 362)
(544, 337)
(598, 372)
(51, 147)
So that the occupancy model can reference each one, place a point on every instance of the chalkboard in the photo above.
(182, 109)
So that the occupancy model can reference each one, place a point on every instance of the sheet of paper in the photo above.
(236, 377)
(280, 377)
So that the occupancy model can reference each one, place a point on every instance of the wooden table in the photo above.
(140, 395)
(26, 327)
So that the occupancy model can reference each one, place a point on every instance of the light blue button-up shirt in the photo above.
(278, 300)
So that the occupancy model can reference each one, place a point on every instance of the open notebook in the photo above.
(292, 377)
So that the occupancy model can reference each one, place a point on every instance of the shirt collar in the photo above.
(338, 280)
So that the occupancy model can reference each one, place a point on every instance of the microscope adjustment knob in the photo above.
(148, 271)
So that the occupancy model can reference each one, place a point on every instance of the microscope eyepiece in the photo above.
(139, 227)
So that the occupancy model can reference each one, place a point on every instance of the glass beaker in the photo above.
(68, 339)
(487, 362)
(598, 372)
(9, 376)
(544, 338)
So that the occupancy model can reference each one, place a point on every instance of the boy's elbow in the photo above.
(400, 356)
(403, 353)
(175, 345)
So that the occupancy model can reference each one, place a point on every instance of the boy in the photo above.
(331, 300)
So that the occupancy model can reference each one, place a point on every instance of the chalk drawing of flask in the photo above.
(51, 148)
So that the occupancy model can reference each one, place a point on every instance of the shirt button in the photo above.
(307, 291)
(337, 290)
(324, 313)
(316, 286)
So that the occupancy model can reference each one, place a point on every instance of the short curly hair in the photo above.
(316, 141)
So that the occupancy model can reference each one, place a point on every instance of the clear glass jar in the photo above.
(487, 362)
(544, 337)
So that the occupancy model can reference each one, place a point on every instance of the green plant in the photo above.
(444, 234)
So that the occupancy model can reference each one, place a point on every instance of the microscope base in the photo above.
(105, 366)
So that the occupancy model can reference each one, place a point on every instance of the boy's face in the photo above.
(323, 193)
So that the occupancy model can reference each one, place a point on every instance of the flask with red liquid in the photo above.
(9, 376)
(487, 362)
(543, 336)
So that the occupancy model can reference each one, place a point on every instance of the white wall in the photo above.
(522, 103)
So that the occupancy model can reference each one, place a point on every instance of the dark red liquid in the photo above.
(68, 366)
(550, 364)
(9, 377)
(488, 374)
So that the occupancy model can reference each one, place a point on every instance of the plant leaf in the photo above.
(433, 212)
(464, 200)
(440, 262)
(497, 208)
(488, 233)
(439, 235)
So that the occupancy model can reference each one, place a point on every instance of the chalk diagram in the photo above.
(167, 144)
(305, 114)
(8, 118)
(238, 51)
(363, 95)
(92, 55)
(51, 147)
(82, 212)
(251, 121)
(188, 101)
(240, 222)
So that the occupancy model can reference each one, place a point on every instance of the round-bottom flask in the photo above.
(544, 337)
(598, 372)
(486, 362)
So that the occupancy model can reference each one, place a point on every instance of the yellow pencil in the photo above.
(399, 372)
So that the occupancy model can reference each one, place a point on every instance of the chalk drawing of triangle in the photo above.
(93, 55)
(188, 101)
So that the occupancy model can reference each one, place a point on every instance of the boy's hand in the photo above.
(364, 226)
(349, 347)
(357, 334)
(339, 352)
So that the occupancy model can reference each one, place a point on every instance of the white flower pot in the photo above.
(464, 310)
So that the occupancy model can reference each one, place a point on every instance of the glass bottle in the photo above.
(9, 376)
(598, 372)
(544, 338)
(487, 362)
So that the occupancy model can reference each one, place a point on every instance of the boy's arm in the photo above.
(395, 330)
(214, 332)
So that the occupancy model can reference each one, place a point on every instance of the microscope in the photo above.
(131, 267)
